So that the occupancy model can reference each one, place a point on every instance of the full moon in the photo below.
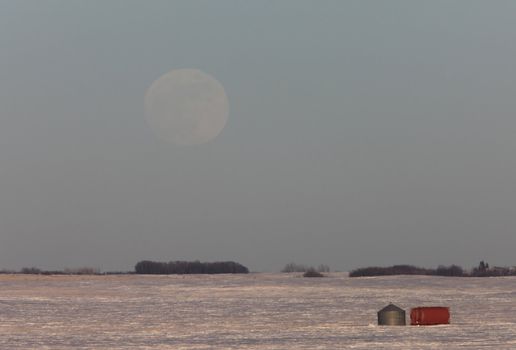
(186, 107)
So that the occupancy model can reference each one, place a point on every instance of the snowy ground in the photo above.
(255, 311)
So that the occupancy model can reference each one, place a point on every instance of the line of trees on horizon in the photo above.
(231, 267)
(293, 267)
(482, 270)
(66, 271)
(188, 267)
(145, 267)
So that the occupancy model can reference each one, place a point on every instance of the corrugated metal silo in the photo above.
(391, 315)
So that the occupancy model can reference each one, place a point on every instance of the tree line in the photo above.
(67, 271)
(483, 270)
(293, 267)
(146, 267)
(188, 267)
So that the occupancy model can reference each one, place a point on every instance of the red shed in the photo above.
(429, 315)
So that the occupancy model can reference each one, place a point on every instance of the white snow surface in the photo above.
(254, 311)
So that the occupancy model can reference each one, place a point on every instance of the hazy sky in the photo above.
(359, 133)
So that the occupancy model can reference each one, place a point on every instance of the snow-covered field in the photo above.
(255, 311)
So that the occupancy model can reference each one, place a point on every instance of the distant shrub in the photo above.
(188, 267)
(82, 271)
(312, 273)
(118, 273)
(30, 271)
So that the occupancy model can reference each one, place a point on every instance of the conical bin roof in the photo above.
(391, 307)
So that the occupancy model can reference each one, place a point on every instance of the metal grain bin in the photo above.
(391, 315)
(429, 315)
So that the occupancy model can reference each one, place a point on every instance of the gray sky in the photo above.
(359, 133)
